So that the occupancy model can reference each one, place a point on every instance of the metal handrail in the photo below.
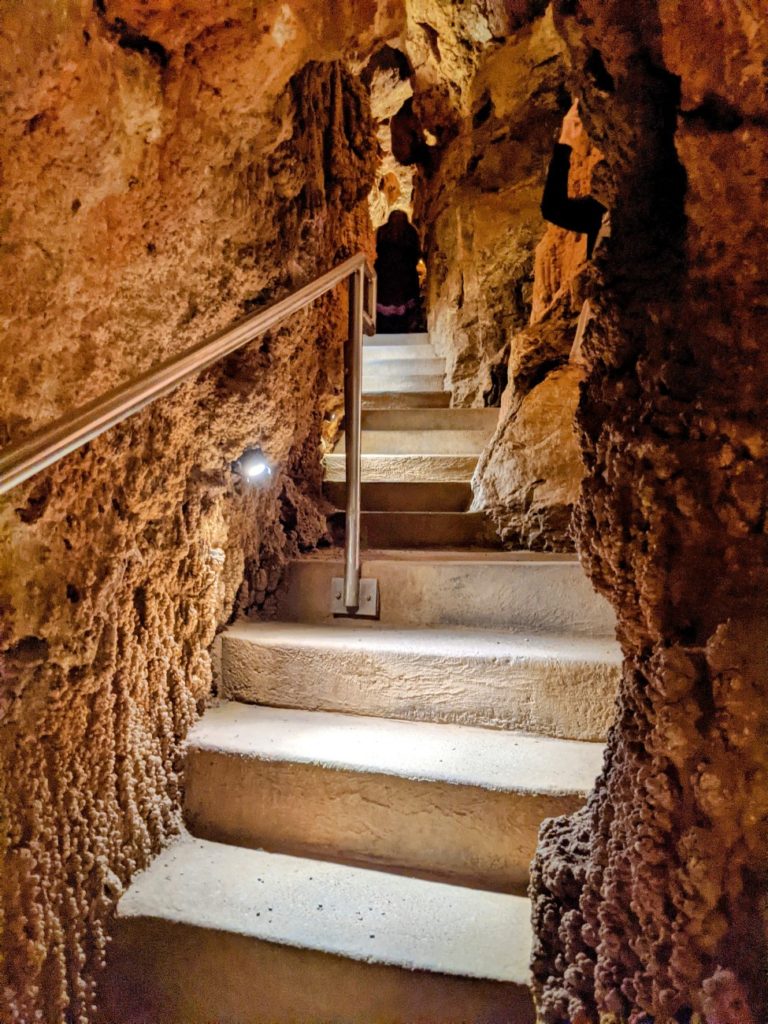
(21, 461)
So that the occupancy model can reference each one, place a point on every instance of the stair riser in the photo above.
(565, 699)
(412, 442)
(403, 385)
(373, 354)
(405, 497)
(539, 596)
(405, 468)
(394, 401)
(179, 974)
(375, 365)
(425, 419)
(437, 830)
(383, 530)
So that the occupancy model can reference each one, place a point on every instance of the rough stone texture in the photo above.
(282, 940)
(445, 802)
(166, 168)
(491, 590)
(528, 476)
(482, 209)
(661, 879)
(548, 685)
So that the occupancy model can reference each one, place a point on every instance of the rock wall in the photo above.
(660, 881)
(528, 477)
(165, 168)
(481, 207)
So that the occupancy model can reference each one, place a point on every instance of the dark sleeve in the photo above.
(584, 214)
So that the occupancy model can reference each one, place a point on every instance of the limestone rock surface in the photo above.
(528, 477)
(525, 478)
(654, 891)
(482, 208)
(165, 169)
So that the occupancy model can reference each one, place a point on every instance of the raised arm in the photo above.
(583, 213)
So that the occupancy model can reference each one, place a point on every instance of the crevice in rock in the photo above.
(129, 38)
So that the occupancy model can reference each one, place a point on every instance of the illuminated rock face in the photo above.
(529, 474)
(641, 897)
(162, 175)
(481, 209)
(167, 167)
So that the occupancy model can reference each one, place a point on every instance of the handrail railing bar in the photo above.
(19, 462)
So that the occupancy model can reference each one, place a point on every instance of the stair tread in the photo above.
(356, 913)
(458, 754)
(440, 642)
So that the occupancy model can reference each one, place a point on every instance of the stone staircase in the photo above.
(363, 806)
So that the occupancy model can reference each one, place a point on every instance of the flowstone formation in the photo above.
(166, 169)
(646, 899)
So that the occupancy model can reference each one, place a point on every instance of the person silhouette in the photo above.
(398, 300)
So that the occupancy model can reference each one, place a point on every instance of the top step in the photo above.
(397, 339)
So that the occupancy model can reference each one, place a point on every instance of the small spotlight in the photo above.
(253, 466)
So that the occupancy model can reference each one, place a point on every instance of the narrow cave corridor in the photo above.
(508, 762)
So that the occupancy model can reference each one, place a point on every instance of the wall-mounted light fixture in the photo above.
(253, 466)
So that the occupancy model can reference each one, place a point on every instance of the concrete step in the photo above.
(405, 468)
(407, 383)
(397, 400)
(393, 496)
(219, 933)
(420, 530)
(419, 442)
(523, 591)
(395, 339)
(374, 355)
(446, 802)
(484, 420)
(545, 685)
(394, 369)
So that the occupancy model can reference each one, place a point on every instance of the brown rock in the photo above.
(162, 175)
(525, 478)
(483, 211)
(656, 886)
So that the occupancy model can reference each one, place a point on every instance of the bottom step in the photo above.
(218, 933)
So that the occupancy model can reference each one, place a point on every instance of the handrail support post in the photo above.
(353, 595)
(353, 406)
